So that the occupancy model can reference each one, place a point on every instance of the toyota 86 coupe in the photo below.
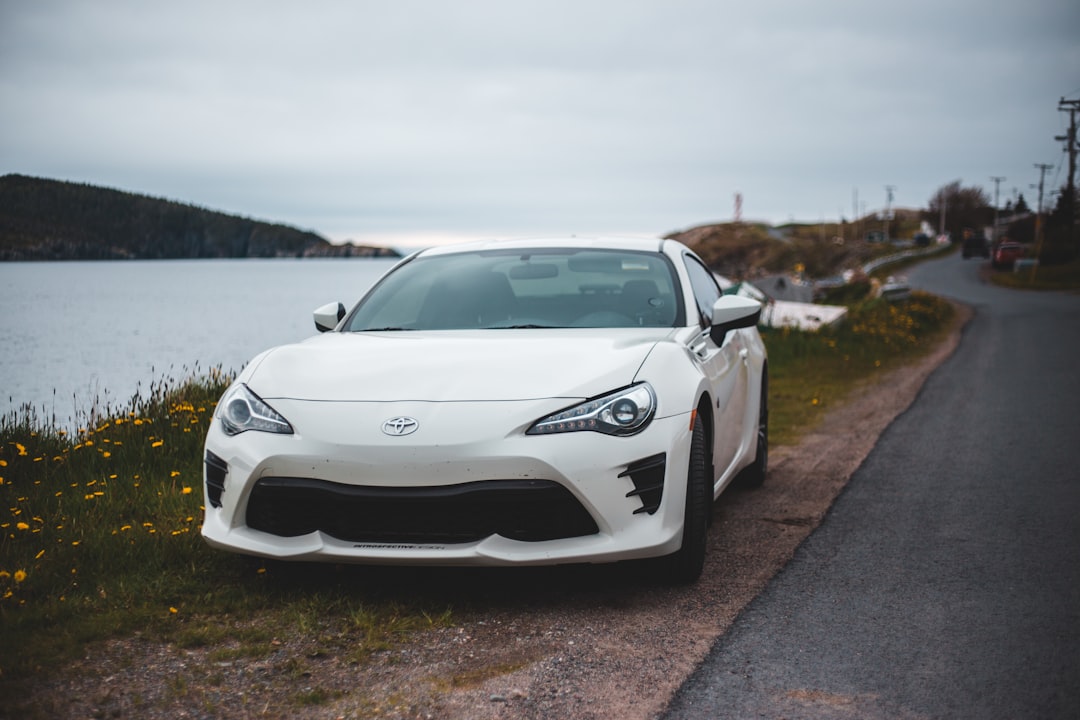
(577, 400)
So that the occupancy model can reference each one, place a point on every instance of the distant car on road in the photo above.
(974, 245)
(504, 403)
(1005, 254)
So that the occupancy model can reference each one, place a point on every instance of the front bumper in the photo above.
(451, 494)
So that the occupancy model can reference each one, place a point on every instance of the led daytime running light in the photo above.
(625, 412)
(241, 409)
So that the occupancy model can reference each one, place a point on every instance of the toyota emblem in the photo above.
(400, 426)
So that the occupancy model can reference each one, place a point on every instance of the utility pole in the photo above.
(1071, 147)
(888, 208)
(1070, 140)
(997, 184)
(1042, 168)
(941, 218)
(855, 212)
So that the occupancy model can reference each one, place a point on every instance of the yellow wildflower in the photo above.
(38, 556)
(20, 575)
(22, 526)
(173, 610)
(174, 473)
(186, 491)
(21, 448)
(157, 443)
(4, 574)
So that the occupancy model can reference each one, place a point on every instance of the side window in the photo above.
(706, 291)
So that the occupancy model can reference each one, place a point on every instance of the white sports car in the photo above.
(499, 403)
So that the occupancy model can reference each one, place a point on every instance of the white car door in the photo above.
(726, 367)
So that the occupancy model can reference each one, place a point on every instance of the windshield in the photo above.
(524, 289)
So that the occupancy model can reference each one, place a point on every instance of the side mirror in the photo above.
(731, 312)
(328, 316)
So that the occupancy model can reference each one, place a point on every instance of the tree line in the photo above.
(1054, 232)
(43, 219)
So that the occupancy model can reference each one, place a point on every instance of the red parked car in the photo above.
(1005, 254)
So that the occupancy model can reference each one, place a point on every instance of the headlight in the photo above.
(240, 410)
(624, 412)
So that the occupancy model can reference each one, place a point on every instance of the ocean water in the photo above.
(80, 335)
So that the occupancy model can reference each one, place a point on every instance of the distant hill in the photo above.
(53, 220)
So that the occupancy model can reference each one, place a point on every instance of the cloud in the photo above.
(371, 120)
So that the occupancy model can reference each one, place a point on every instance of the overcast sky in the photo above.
(412, 121)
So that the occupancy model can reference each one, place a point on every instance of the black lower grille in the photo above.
(527, 510)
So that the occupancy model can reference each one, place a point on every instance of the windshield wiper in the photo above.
(529, 326)
(384, 329)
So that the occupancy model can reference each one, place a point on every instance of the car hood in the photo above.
(485, 365)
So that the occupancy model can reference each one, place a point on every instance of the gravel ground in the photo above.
(575, 643)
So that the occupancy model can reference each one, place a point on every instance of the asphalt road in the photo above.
(945, 580)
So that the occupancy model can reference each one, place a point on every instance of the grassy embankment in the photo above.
(1043, 277)
(99, 530)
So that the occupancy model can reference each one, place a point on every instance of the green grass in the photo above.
(809, 373)
(1043, 277)
(99, 528)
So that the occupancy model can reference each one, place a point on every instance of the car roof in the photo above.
(639, 244)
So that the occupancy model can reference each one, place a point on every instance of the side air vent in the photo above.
(647, 475)
(216, 470)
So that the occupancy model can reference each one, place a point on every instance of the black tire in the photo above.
(684, 566)
(753, 476)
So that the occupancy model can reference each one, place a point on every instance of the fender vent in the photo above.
(216, 470)
(647, 475)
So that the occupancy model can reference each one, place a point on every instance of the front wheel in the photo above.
(684, 566)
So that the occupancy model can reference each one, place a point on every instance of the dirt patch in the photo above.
(576, 643)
